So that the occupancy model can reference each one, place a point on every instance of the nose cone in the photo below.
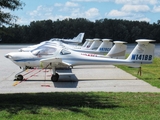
(8, 56)
(11, 56)
(18, 55)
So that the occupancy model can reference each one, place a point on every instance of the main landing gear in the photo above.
(55, 76)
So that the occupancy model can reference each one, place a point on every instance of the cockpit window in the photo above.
(45, 50)
(65, 52)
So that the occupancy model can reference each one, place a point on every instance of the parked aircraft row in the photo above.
(61, 55)
(93, 46)
(75, 41)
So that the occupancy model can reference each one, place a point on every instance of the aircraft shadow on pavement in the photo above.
(66, 81)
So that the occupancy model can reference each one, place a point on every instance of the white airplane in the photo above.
(30, 48)
(58, 57)
(86, 45)
(94, 46)
(70, 46)
(105, 48)
(118, 51)
(89, 44)
(74, 41)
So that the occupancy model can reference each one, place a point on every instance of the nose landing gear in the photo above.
(19, 77)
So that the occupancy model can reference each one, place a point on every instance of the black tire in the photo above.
(55, 78)
(20, 77)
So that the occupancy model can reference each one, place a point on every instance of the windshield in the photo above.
(45, 50)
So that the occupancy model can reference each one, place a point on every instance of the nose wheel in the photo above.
(55, 77)
(19, 77)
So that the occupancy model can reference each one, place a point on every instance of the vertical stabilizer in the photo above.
(79, 38)
(143, 52)
(85, 43)
(118, 50)
(96, 43)
(105, 46)
(89, 43)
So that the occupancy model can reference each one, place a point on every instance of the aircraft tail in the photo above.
(89, 43)
(143, 52)
(118, 51)
(79, 38)
(105, 46)
(85, 43)
(96, 43)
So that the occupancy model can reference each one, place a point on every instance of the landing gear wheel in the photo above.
(55, 77)
(20, 77)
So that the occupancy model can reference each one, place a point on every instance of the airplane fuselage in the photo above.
(72, 58)
(58, 56)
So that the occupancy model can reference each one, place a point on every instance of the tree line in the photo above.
(116, 29)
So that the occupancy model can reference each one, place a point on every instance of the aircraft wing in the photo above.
(56, 62)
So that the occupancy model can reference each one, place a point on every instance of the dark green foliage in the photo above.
(6, 17)
(39, 31)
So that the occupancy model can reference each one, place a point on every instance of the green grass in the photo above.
(87, 105)
(80, 106)
(150, 72)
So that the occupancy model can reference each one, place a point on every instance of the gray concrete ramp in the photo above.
(101, 72)
(86, 78)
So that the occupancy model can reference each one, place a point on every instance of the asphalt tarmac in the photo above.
(106, 78)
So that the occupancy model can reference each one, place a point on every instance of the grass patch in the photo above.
(80, 106)
(150, 72)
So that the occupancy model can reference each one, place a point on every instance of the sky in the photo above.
(135, 10)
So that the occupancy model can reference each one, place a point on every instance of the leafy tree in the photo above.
(6, 17)
(39, 31)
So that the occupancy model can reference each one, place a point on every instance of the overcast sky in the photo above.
(140, 10)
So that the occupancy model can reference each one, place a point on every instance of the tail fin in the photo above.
(105, 46)
(89, 43)
(143, 52)
(86, 42)
(79, 38)
(118, 50)
(96, 43)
